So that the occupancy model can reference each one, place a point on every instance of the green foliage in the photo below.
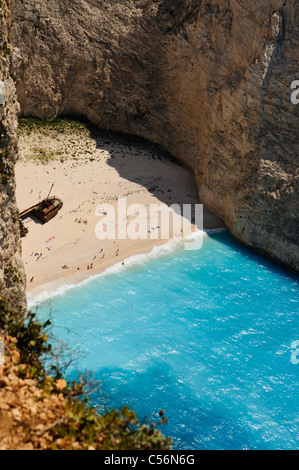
(4, 179)
(5, 168)
(12, 275)
(121, 430)
(28, 126)
(114, 430)
(42, 135)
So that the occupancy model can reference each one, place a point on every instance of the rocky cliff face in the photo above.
(12, 277)
(209, 80)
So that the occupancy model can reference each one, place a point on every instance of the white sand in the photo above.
(88, 171)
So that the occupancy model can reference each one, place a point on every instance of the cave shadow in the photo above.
(144, 152)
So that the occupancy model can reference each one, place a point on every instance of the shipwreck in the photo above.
(43, 211)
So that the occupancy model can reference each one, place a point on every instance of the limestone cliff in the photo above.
(209, 80)
(12, 277)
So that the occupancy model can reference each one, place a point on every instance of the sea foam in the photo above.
(49, 291)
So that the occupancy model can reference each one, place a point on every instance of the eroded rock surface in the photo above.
(12, 276)
(209, 80)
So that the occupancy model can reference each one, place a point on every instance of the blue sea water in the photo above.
(206, 335)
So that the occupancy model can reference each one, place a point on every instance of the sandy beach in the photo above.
(89, 169)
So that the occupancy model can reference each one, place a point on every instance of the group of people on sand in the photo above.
(49, 241)
(153, 228)
(80, 221)
(89, 266)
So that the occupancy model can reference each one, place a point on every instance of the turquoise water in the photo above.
(204, 335)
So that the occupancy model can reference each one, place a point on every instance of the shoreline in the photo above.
(50, 290)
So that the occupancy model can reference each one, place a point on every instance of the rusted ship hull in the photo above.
(47, 209)
(43, 211)
(23, 229)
